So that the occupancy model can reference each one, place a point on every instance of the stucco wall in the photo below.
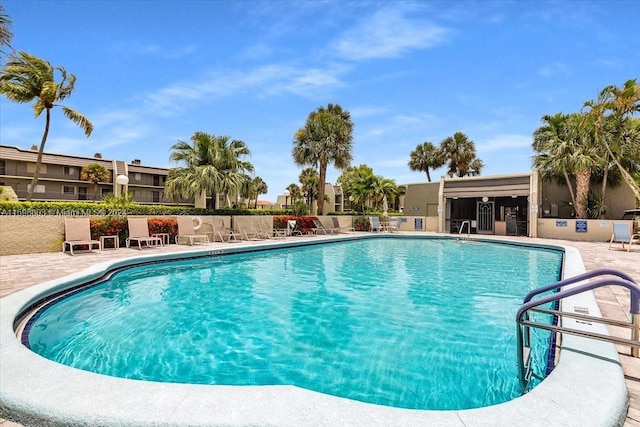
(597, 230)
(30, 234)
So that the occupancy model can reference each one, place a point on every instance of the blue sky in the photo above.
(150, 73)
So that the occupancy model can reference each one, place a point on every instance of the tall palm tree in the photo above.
(327, 137)
(212, 164)
(426, 156)
(26, 78)
(95, 173)
(565, 146)
(609, 115)
(260, 187)
(459, 152)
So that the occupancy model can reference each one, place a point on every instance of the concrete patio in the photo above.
(18, 272)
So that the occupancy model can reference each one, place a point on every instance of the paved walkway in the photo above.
(18, 272)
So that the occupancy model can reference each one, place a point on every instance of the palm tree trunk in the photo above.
(323, 177)
(95, 191)
(428, 175)
(570, 187)
(36, 172)
(582, 191)
(604, 190)
(626, 175)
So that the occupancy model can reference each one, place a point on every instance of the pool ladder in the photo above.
(468, 223)
(524, 323)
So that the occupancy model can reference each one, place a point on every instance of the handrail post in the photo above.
(635, 333)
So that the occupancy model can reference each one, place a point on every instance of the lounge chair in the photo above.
(336, 225)
(319, 227)
(292, 228)
(394, 225)
(77, 231)
(374, 224)
(139, 232)
(187, 232)
(220, 231)
(622, 234)
(248, 231)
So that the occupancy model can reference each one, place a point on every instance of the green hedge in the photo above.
(101, 209)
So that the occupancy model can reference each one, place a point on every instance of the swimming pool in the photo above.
(410, 323)
(172, 404)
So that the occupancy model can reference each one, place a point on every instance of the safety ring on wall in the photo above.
(197, 223)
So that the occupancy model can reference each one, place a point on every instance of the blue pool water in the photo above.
(412, 323)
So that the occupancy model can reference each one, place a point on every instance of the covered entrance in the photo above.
(497, 205)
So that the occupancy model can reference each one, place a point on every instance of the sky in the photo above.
(151, 73)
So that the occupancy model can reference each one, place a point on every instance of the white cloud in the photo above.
(500, 142)
(155, 50)
(552, 70)
(387, 34)
(272, 80)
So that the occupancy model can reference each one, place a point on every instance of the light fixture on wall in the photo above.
(485, 199)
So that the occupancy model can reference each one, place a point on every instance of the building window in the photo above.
(107, 191)
(82, 193)
(69, 170)
(39, 188)
(156, 196)
(137, 176)
(31, 168)
(2, 167)
(68, 189)
(156, 180)
(137, 194)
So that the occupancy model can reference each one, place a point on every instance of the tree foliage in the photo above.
(211, 164)
(327, 137)
(95, 173)
(426, 157)
(27, 78)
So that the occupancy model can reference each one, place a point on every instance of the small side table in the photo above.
(116, 242)
(163, 236)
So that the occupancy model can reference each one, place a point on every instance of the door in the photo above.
(485, 219)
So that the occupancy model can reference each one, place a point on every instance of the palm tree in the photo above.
(95, 173)
(260, 187)
(325, 138)
(565, 146)
(459, 152)
(213, 165)
(5, 29)
(26, 78)
(426, 156)
(609, 116)
(309, 185)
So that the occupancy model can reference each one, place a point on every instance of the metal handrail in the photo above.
(524, 324)
(466, 221)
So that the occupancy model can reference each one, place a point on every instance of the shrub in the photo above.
(361, 223)
(111, 226)
(304, 223)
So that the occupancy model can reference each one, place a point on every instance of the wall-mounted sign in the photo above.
(581, 226)
(534, 208)
(439, 209)
(561, 223)
(416, 208)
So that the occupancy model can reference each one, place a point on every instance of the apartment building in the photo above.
(60, 177)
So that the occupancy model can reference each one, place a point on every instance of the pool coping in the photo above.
(587, 387)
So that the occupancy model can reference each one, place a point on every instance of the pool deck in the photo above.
(19, 272)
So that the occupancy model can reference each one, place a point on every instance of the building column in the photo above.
(534, 203)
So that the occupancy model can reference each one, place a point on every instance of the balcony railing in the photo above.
(51, 196)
